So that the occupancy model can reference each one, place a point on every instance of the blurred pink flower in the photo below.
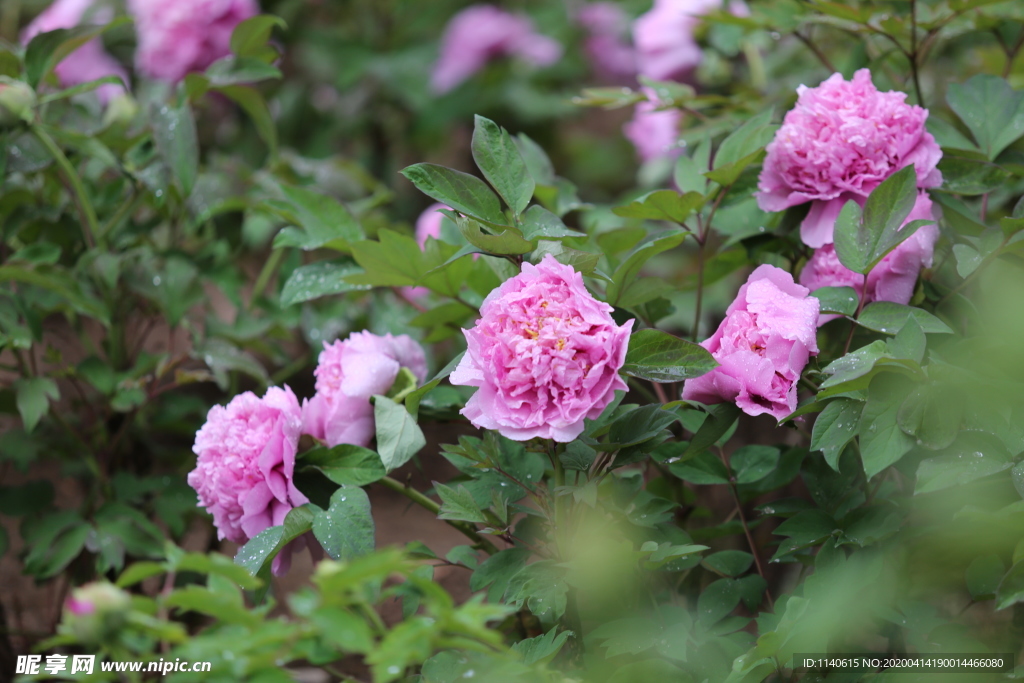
(350, 372)
(840, 142)
(480, 33)
(545, 355)
(893, 279)
(607, 26)
(89, 62)
(246, 460)
(181, 36)
(665, 47)
(655, 134)
(762, 346)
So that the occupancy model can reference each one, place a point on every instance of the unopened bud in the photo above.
(16, 101)
(122, 109)
(96, 611)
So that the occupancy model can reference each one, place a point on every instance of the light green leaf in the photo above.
(315, 280)
(345, 464)
(33, 399)
(991, 109)
(662, 205)
(458, 504)
(345, 529)
(841, 300)
(498, 158)
(889, 318)
(398, 436)
(973, 455)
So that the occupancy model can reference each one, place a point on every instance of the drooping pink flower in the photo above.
(893, 279)
(545, 355)
(762, 346)
(840, 141)
(655, 134)
(179, 37)
(350, 372)
(665, 47)
(89, 62)
(607, 26)
(246, 462)
(480, 33)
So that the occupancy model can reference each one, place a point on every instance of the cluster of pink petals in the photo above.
(840, 142)
(246, 460)
(893, 279)
(481, 33)
(545, 355)
(350, 372)
(176, 37)
(89, 62)
(607, 27)
(665, 46)
(762, 346)
(654, 134)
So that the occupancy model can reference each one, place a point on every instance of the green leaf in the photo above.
(728, 174)
(746, 140)
(703, 469)
(625, 276)
(640, 425)
(46, 50)
(753, 463)
(174, 132)
(889, 318)
(33, 398)
(836, 427)
(729, 562)
(853, 372)
(662, 205)
(991, 109)
(973, 455)
(863, 238)
(578, 456)
(966, 176)
(412, 401)
(498, 158)
(315, 280)
(536, 160)
(250, 99)
(717, 601)
(540, 224)
(690, 170)
(458, 504)
(506, 242)
(345, 529)
(541, 649)
(910, 342)
(1011, 588)
(398, 436)
(465, 193)
(264, 547)
(497, 570)
(251, 37)
(661, 357)
(721, 418)
(882, 442)
(841, 300)
(321, 220)
(60, 283)
(983, 576)
(582, 262)
(345, 464)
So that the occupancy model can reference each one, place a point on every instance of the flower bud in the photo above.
(121, 110)
(16, 101)
(96, 611)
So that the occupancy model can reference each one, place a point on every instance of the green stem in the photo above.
(415, 496)
(269, 268)
(700, 290)
(90, 226)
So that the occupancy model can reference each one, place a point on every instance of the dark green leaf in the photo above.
(721, 417)
(888, 317)
(174, 132)
(882, 442)
(753, 463)
(465, 193)
(640, 425)
(496, 571)
(717, 601)
(321, 220)
(729, 562)
(319, 279)
(703, 469)
(983, 576)
(661, 357)
(836, 427)
(841, 300)
(345, 529)
(458, 504)
(506, 242)
(863, 238)
(498, 158)
(33, 397)
(541, 224)
(962, 175)
(345, 464)
(46, 50)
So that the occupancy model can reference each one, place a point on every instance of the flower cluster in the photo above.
(762, 346)
(89, 62)
(545, 355)
(607, 25)
(480, 33)
(839, 143)
(246, 450)
(179, 37)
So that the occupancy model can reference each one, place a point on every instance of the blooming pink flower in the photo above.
(663, 37)
(89, 62)
(480, 33)
(893, 279)
(655, 134)
(246, 461)
(350, 372)
(607, 25)
(545, 355)
(840, 142)
(762, 346)
(176, 38)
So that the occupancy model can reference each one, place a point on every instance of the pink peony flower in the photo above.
(89, 62)
(663, 37)
(176, 38)
(893, 279)
(480, 33)
(350, 372)
(655, 134)
(246, 460)
(840, 142)
(545, 355)
(609, 52)
(762, 346)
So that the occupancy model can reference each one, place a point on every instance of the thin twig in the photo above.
(746, 531)
(826, 62)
